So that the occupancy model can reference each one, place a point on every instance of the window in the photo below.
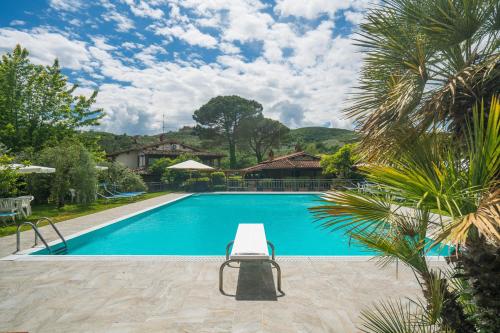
(151, 160)
(142, 160)
(174, 146)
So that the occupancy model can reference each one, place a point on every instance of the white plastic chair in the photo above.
(9, 208)
(25, 204)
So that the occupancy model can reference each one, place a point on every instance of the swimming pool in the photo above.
(202, 225)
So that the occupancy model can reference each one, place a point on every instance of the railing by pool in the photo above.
(288, 185)
(269, 185)
(158, 186)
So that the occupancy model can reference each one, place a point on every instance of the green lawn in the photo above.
(71, 211)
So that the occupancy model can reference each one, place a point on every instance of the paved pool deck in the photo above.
(162, 294)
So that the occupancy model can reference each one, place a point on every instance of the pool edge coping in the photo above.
(186, 258)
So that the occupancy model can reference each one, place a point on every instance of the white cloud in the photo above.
(130, 114)
(247, 25)
(75, 22)
(311, 9)
(86, 83)
(354, 17)
(289, 113)
(143, 9)
(229, 48)
(214, 20)
(100, 42)
(45, 46)
(17, 23)
(190, 34)
(299, 72)
(148, 55)
(66, 5)
(312, 96)
(123, 23)
(312, 46)
(131, 46)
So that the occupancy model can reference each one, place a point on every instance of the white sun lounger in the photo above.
(250, 244)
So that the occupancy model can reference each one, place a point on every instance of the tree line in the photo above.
(41, 118)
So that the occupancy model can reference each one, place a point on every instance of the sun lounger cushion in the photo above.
(131, 194)
(2, 214)
(250, 242)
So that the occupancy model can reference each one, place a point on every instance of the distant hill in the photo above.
(315, 140)
(327, 136)
(111, 142)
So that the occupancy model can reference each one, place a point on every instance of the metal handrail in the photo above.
(38, 234)
(53, 227)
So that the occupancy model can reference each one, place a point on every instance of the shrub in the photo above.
(158, 167)
(219, 188)
(218, 178)
(175, 178)
(131, 182)
(39, 185)
(83, 177)
(122, 178)
(8, 177)
(75, 168)
(198, 184)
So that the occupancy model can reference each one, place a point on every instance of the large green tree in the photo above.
(37, 104)
(341, 163)
(260, 134)
(222, 116)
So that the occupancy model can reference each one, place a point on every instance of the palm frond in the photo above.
(426, 63)
(351, 211)
(393, 316)
(486, 221)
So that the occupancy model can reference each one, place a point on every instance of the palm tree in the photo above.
(427, 62)
(393, 218)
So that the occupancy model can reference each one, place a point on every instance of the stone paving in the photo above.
(155, 294)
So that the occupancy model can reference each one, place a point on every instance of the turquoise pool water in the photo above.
(204, 224)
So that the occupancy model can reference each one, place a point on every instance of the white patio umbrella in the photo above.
(30, 168)
(191, 165)
(101, 168)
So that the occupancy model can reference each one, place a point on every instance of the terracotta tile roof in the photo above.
(298, 160)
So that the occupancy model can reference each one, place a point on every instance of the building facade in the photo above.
(140, 158)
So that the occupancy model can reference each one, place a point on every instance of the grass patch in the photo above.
(71, 211)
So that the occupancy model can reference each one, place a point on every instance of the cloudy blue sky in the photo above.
(149, 58)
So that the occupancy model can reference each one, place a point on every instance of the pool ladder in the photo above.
(34, 226)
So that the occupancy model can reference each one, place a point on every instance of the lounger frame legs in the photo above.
(228, 247)
(272, 250)
(227, 262)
